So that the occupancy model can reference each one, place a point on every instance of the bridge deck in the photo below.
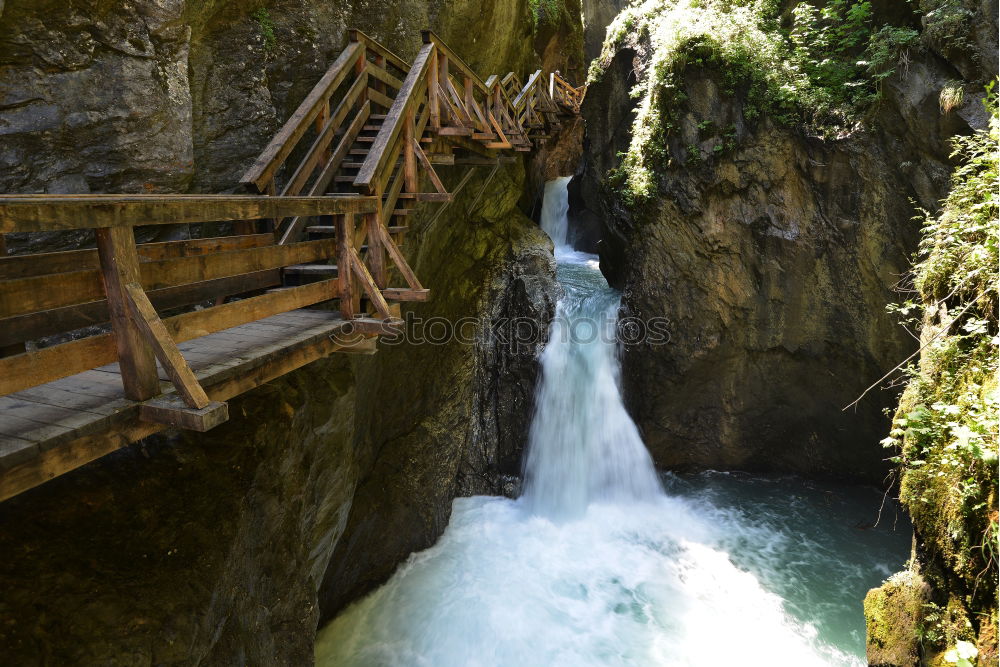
(54, 419)
(184, 325)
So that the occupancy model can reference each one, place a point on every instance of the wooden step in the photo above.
(376, 116)
(364, 140)
(371, 128)
(358, 151)
(321, 229)
(426, 196)
(397, 229)
(344, 179)
(312, 269)
(455, 131)
(172, 411)
(406, 294)
(401, 211)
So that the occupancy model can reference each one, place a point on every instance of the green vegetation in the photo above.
(545, 11)
(822, 69)
(266, 25)
(945, 430)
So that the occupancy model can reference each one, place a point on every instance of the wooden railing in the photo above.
(126, 284)
(565, 94)
(434, 111)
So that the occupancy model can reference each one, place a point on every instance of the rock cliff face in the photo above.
(448, 416)
(772, 255)
(211, 549)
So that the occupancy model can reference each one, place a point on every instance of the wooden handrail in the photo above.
(375, 47)
(406, 100)
(430, 37)
(36, 213)
(274, 155)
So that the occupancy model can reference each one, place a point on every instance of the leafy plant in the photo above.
(946, 427)
(266, 25)
(951, 97)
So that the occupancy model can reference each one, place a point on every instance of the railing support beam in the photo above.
(119, 268)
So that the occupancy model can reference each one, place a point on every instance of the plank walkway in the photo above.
(60, 415)
(312, 264)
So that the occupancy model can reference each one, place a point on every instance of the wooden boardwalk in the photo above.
(158, 335)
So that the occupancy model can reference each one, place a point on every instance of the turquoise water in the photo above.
(603, 561)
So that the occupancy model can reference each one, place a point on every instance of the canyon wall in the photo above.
(772, 254)
(212, 548)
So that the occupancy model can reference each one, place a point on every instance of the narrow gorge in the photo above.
(694, 360)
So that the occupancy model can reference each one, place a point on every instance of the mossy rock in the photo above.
(893, 614)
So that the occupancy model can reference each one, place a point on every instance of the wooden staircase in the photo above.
(376, 125)
(158, 335)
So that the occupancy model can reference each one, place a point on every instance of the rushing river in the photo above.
(602, 561)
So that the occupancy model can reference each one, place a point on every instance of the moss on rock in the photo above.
(894, 613)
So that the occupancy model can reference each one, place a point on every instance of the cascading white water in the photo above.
(555, 207)
(596, 565)
(584, 447)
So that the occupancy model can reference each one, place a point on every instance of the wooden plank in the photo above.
(119, 268)
(429, 168)
(171, 411)
(426, 196)
(380, 98)
(47, 364)
(281, 146)
(318, 151)
(369, 285)
(43, 323)
(398, 259)
(377, 72)
(47, 212)
(345, 287)
(409, 157)
(405, 99)
(406, 294)
(65, 289)
(432, 90)
(149, 323)
(294, 226)
(185, 270)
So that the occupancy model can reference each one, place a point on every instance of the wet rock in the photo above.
(448, 413)
(894, 613)
(211, 548)
(770, 255)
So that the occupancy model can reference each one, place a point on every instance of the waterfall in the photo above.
(595, 565)
(583, 445)
(555, 206)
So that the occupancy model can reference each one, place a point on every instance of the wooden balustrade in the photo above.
(125, 284)
(161, 334)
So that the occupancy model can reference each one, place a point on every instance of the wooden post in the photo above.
(119, 267)
(321, 120)
(376, 251)
(345, 241)
(359, 70)
(432, 90)
(467, 94)
(380, 62)
(410, 181)
(442, 77)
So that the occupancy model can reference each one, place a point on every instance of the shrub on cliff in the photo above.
(820, 66)
(945, 430)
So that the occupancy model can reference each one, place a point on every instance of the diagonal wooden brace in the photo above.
(144, 316)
